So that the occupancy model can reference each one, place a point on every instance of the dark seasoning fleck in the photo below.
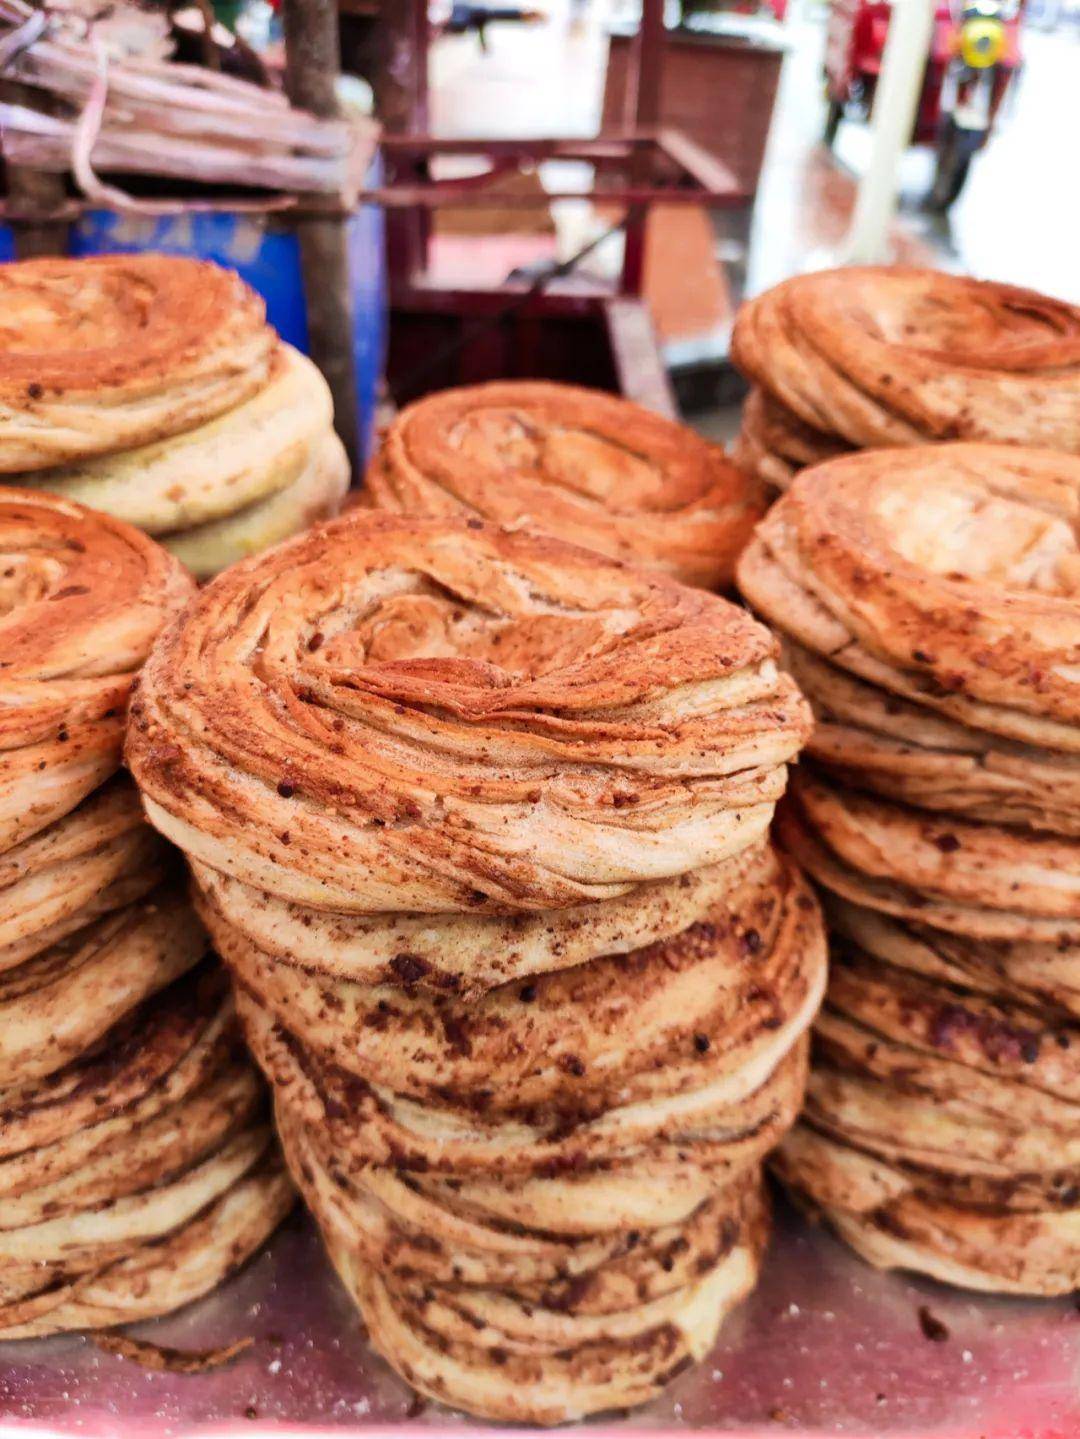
(932, 1327)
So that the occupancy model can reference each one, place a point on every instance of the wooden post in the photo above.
(650, 62)
(36, 198)
(400, 82)
(643, 85)
(312, 64)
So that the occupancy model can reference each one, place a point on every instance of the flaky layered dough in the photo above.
(619, 1246)
(725, 1124)
(945, 575)
(939, 1132)
(405, 714)
(153, 1056)
(466, 954)
(502, 1359)
(546, 1200)
(96, 859)
(588, 1325)
(57, 1005)
(881, 1212)
(657, 1022)
(590, 468)
(168, 1270)
(872, 740)
(1027, 973)
(895, 356)
(980, 880)
(314, 494)
(81, 599)
(775, 444)
(144, 1162)
(925, 1074)
(104, 354)
(252, 451)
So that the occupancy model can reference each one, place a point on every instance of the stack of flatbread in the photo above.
(479, 823)
(137, 1166)
(864, 357)
(152, 388)
(928, 599)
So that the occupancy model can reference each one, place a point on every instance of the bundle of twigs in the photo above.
(150, 116)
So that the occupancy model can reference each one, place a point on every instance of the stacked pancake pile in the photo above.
(479, 822)
(928, 597)
(136, 1164)
(858, 358)
(152, 388)
(591, 468)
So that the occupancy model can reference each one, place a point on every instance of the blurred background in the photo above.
(583, 189)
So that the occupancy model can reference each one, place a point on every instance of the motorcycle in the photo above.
(973, 60)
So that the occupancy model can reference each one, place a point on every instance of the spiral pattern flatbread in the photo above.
(143, 1161)
(892, 356)
(946, 575)
(940, 863)
(103, 354)
(926, 598)
(137, 1168)
(150, 387)
(525, 1362)
(593, 469)
(252, 451)
(739, 983)
(394, 713)
(82, 597)
(870, 739)
(57, 1007)
(316, 493)
(939, 1131)
(477, 821)
(545, 1200)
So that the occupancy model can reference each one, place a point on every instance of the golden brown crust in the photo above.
(56, 1006)
(407, 714)
(869, 739)
(100, 856)
(895, 356)
(175, 1039)
(137, 1175)
(505, 1359)
(546, 1200)
(594, 469)
(654, 1023)
(82, 598)
(1017, 972)
(937, 1117)
(775, 444)
(467, 954)
(941, 1117)
(721, 1127)
(433, 1230)
(952, 568)
(893, 1223)
(165, 1273)
(982, 880)
(103, 354)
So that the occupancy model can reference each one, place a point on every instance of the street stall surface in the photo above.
(825, 1345)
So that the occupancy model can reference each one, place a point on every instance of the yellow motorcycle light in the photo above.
(982, 43)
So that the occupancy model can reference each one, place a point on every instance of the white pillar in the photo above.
(895, 101)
